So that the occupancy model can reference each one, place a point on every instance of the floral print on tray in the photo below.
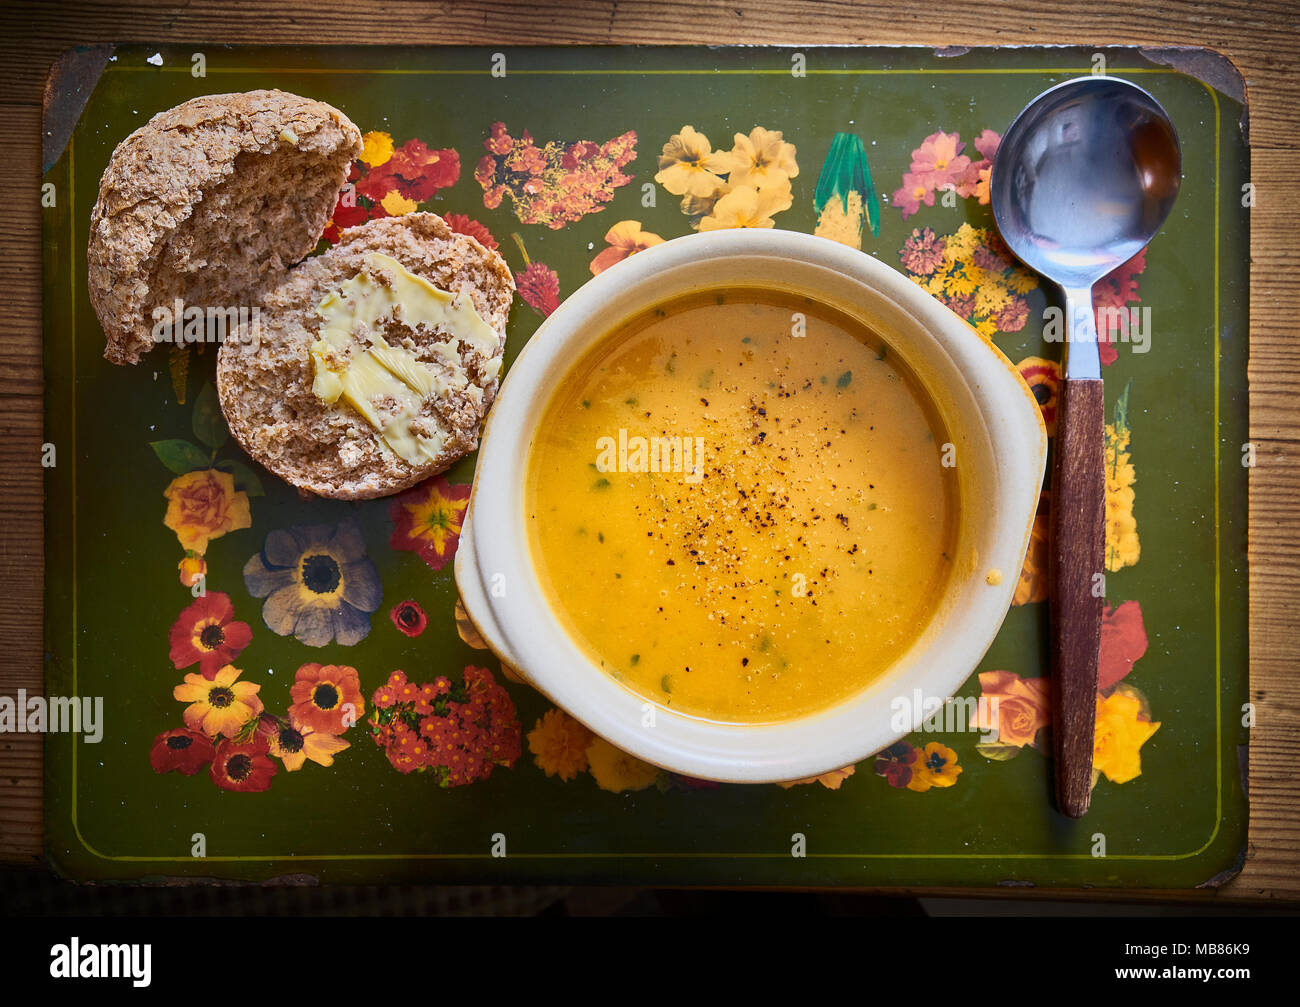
(317, 585)
(553, 184)
(318, 582)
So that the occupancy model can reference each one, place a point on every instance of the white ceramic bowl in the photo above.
(1001, 447)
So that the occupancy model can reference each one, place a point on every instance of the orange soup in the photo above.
(742, 506)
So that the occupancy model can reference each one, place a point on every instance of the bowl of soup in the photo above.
(744, 497)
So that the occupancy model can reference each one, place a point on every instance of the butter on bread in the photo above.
(376, 361)
(211, 202)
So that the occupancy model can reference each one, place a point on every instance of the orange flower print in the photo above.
(204, 505)
(935, 766)
(326, 698)
(427, 520)
(625, 238)
(559, 745)
(831, 780)
(1017, 708)
(1033, 584)
(293, 746)
(1042, 377)
(191, 568)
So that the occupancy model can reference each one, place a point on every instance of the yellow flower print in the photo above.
(616, 771)
(1122, 545)
(698, 207)
(991, 298)
(745, 206)
(220, 706)
(842, 221)
(763, 159)
(1021, 282)
(689, 165)
(398, 205)
(958, 284)
(1123, 727)
(376, 149)
(428, 518)
(204, 505)
(935, 766)
(961, 244)
(559, 745)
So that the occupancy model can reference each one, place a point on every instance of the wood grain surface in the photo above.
(1078, 555)
(1262, 37)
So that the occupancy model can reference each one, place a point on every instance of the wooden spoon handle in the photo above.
(1078, 566)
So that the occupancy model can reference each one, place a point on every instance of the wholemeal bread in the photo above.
(266, 383)
(211, 202)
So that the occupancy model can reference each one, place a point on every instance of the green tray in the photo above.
(1177, 633)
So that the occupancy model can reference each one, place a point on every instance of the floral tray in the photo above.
(288, 686)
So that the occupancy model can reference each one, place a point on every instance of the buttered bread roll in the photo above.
(374, 363)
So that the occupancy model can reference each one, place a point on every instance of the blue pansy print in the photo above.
(318, 583)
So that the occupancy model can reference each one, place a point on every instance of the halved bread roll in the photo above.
(211, 202)
(375, 362)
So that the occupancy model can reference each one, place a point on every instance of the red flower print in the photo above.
(414, 171)
(895, 764)
(539, 287)
(206, 633)
(181, 751)
(1123, 641)
(554, 183)
(498, 141)
(462, 224)
(427, 520)
(409, 617)
(242, 767)
(1117, 289)
(459, 733)
(583, 150)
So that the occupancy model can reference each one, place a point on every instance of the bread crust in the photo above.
(265, 384)
(141, 252)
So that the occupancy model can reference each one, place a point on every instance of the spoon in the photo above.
(1081, 183)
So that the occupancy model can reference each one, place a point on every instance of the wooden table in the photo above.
(1261, 36)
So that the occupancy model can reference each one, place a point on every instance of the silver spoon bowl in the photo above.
(1084, 178)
